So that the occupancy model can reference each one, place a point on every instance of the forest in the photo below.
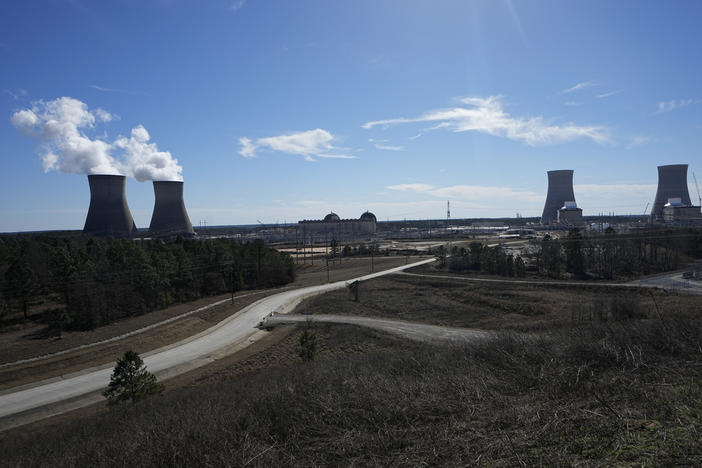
(606, 256)
(83, 283)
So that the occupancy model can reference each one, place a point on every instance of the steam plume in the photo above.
(62, 125)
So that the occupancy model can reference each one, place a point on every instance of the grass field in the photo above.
(616, 393)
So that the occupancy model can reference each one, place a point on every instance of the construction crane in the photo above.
(699, 198)
(646, 209)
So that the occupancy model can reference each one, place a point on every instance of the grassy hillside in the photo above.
(604, 393)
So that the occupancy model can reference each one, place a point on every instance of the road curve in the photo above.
(82, 389)
(412, 330)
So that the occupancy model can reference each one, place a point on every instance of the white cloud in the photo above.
(486, 115)
(667, 106)
(142, 159)
(469, 192)
(579, 87)
(248, 149)
(310, 144)
(237, 5)
(638, 141)
(389, 147)
(122, 91)
(573, 103)
(62, 127)
(606, 95)
(411, 187)
(415, 136)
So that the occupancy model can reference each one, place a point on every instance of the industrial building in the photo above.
(570, 215)
(560, 191)
(108, 214)
(336, 228)
(170, 217)
(672, 185)
(676, 212)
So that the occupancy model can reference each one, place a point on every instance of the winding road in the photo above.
(35, 401)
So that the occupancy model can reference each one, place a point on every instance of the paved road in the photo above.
(411, 330)
(83, 388)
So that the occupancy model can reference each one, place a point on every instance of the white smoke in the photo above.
(61, 126)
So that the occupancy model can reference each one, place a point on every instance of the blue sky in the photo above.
(282, 110)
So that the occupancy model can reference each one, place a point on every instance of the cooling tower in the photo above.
(108, 214)
(672, 183)
(560, 190)
(170, 217)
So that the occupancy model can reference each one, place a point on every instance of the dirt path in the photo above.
(411, 330)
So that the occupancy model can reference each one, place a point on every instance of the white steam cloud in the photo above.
(61, 126)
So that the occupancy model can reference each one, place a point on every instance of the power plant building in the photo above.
(336, 228)
(560, 191)
(170, 217)
(108, 214)
(672, 185)
(570, 215)
(675, 212)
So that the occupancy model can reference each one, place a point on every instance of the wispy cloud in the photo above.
(606, 95)
(668, 106)
(579, 87)
(121, 91)
(310, 144)
(389, 147)
(469, 192)
(237, 5)
(17, 94)
(486, 115)
(415, 136)
(573, 103)
(638, 141)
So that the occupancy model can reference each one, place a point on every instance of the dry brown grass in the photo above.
(612, 393)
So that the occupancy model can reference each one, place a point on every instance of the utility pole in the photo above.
(448, 214)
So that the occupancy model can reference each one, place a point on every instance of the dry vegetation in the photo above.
(498, 306)
(612, 393)
(603, 377)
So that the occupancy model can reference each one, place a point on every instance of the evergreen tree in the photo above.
(130, 381)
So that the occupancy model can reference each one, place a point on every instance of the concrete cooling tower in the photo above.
(108, 214)
(170, 217)
(672, 183)
(560, 190)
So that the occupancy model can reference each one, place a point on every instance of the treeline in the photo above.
(611, 255)
(482, 258)
(93, 282)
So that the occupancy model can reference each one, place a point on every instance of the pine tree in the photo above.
(131, 381)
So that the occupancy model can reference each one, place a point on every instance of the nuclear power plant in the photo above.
(672, 185)
(339, 228)
(560, 191)
(108, 214)
(169, 217)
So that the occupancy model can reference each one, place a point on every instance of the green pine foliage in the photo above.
(308, 346)
(99, 281)
(130, 381)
